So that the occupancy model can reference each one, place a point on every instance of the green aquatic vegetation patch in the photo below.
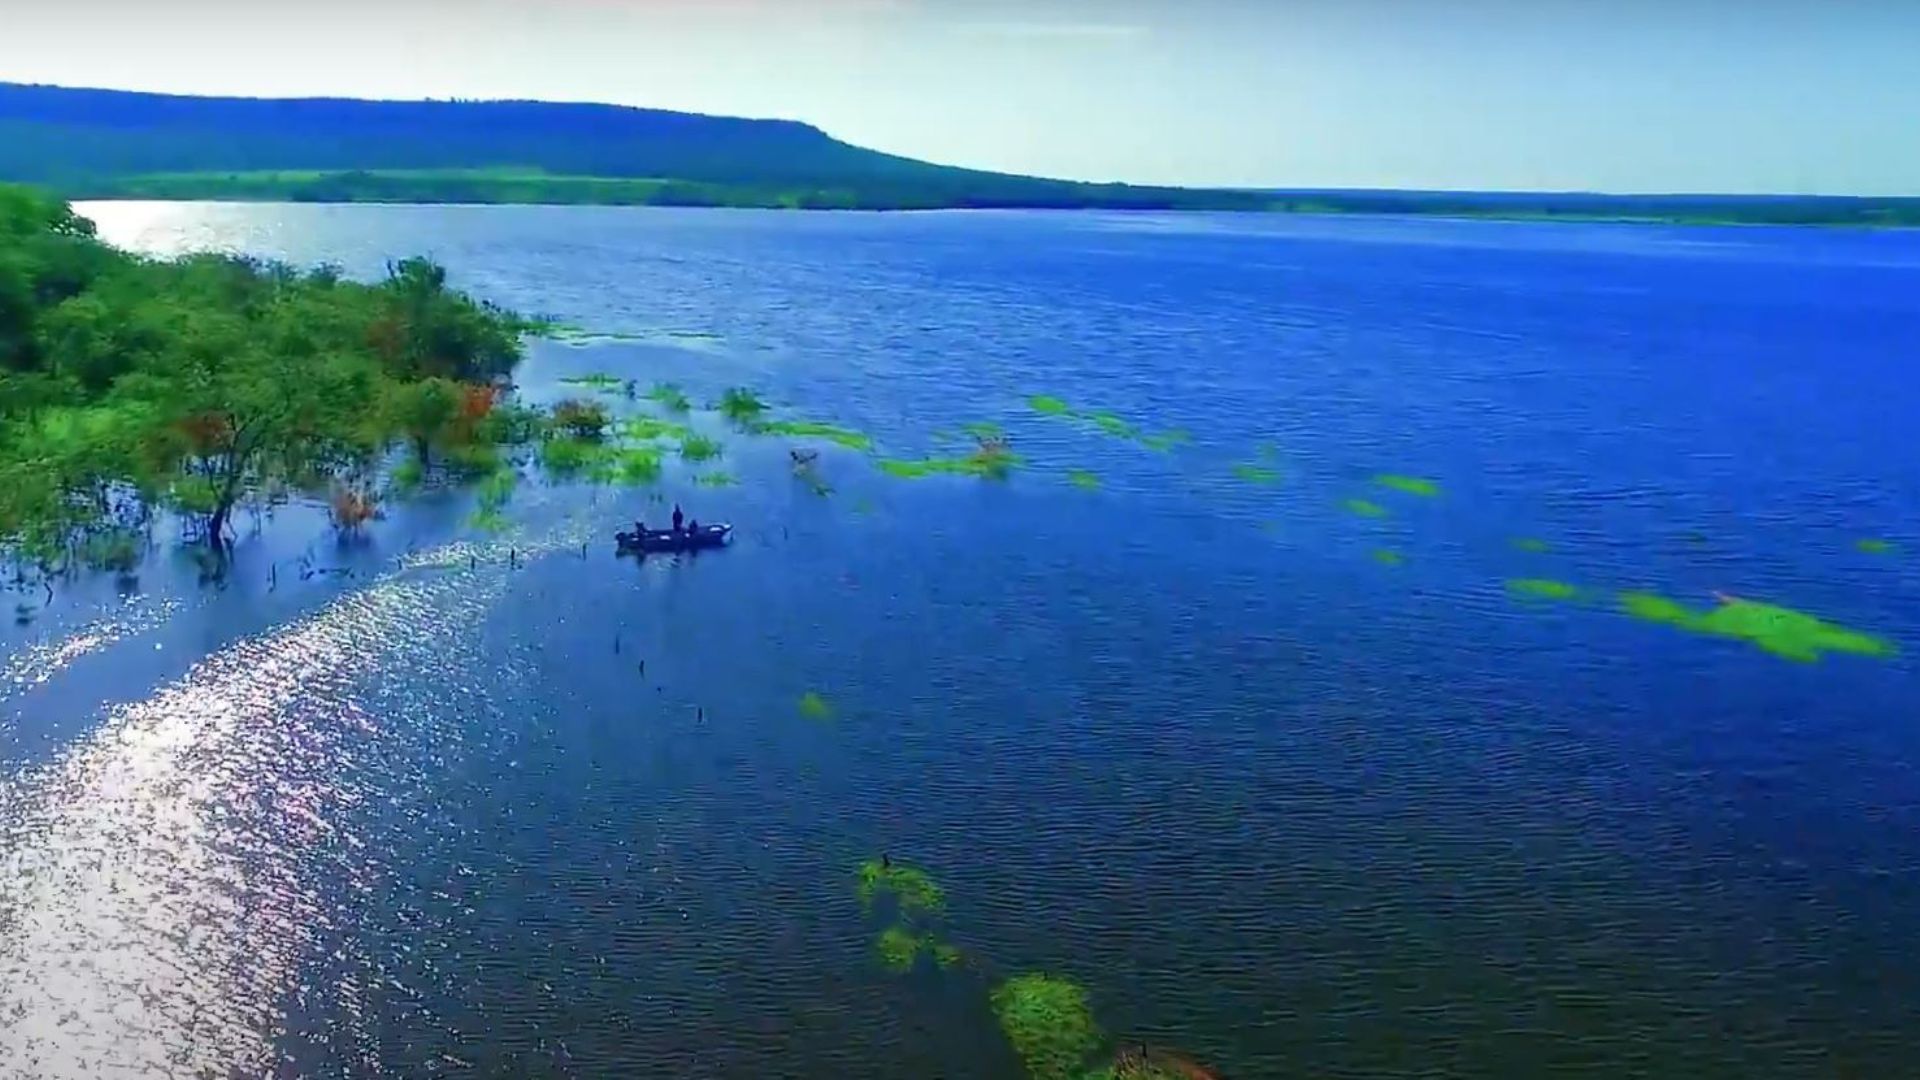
(492, 522)
(898, 947)
(715, 480)
(1049, 1023)
(670, 397)
(1256, 474)
(1874, 547)
(1782, 631)
(805, 429)
(633, 466)
(697, 448)
(596, 380)
(494, 491)
(1166, 441)
(1388, 557)
(912, 890)
(1531, 544)
(985, 463)
(1048, 405)
(1083, 479)
(1113, 425)
(815, 707)
(649, 428)
(984, 429)
(1543, 589)
(1410, 485)
(946, 955)
(1365, 508)
(742, 406)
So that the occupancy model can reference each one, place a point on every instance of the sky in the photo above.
(1787, 96)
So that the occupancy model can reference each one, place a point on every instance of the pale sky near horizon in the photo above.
(1792, 96)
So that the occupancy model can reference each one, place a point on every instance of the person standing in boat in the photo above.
(677, 517)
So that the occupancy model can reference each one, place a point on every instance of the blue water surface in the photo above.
(506, 805)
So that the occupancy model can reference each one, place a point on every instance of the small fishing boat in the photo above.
(639, 542)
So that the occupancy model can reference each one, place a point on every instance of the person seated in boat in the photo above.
(639, 528)
(693, 527)
(677, 517)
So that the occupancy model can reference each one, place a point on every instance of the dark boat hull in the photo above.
(667, 540)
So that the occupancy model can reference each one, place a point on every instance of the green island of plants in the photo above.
(1782, 631)
(1050, 1024)
(741, 406)
(669, 397)
(1365, 508)
(606, 384)
(698, 448)
(1083, 479)
(1409, 485)
(990, 461)
(1048, 405)
(1543, 589)
(815, 707)
(805, 429)
(1166, 441)
(1874, 547)
(1261, 475)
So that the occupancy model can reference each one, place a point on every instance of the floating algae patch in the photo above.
(1410, 485)
(1543, 589)
(1388, 557)
(1049, 1023)
(913, 892)
(1113, 425)
(1263, 475)
(1531, 544)
(1782, 631)
(648, 428)
(566, 458)
(1874, 547)
(815, 707)
(945, 955)
(1166, 441)
(1365, 508)
(715, 480)
(742, 406)
(1047, 405)
(697, 448)
(597, 381)
(670, 397)
(898, 947)
(633, 466)
(989, 462)
(1083, 479)
(803, 429)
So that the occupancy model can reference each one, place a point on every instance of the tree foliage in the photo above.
(130, 384)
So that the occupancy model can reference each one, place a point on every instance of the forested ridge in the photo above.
(120, 144)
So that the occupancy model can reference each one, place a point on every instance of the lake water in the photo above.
(1278, 799)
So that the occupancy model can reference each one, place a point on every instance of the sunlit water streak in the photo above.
(33, 665)
(162, 882)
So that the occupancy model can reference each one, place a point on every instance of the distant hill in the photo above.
(111, 143)
(119, 144)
